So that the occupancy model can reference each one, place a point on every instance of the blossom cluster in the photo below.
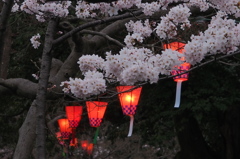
(167, 61)
(178, 15)
(151, 8)
(90, 63)
(131, 66)
(139, 31)
(86, 10)
(222, 36)
(92, 84)
(202, 4)
(42, 10)
(229, 6)
(35, 40)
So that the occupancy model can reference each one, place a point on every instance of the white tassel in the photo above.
(178, 94)
(131, 125)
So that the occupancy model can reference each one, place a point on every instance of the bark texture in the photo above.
(42, 90)
(19, 86)
(5, 13)
(27, 135)
(6, 54)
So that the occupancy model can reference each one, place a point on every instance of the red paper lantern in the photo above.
(96, 110)
(178, 46)
(129, 100)
(65, 128)
(74, 114)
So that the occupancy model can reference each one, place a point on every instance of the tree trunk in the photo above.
(6, 54)
(191, 141)
(5, 13)
(27, 135)
(42, 90)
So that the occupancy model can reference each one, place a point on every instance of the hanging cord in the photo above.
(131, 125)
(96, 135)
(178, 94)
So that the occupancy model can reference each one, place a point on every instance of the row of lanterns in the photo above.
(129, 98)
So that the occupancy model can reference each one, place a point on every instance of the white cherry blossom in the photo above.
(35, 40)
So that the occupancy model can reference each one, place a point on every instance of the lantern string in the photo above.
(131, 125)
(178, 94)
(95, 136)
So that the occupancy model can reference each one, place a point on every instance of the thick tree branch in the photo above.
(94, 23)
(69, 68)
(20, 86)
(55, 67)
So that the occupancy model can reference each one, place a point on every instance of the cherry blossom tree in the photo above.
(137, 58)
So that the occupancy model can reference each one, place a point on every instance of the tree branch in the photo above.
(103, 35)
(94, 23)
(20, 86)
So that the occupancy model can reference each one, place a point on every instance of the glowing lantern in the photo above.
(74, 114)
(96, 110)
(178, 46)
(64, 128)
(129, 102)
(88, 147)
(84, 144)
